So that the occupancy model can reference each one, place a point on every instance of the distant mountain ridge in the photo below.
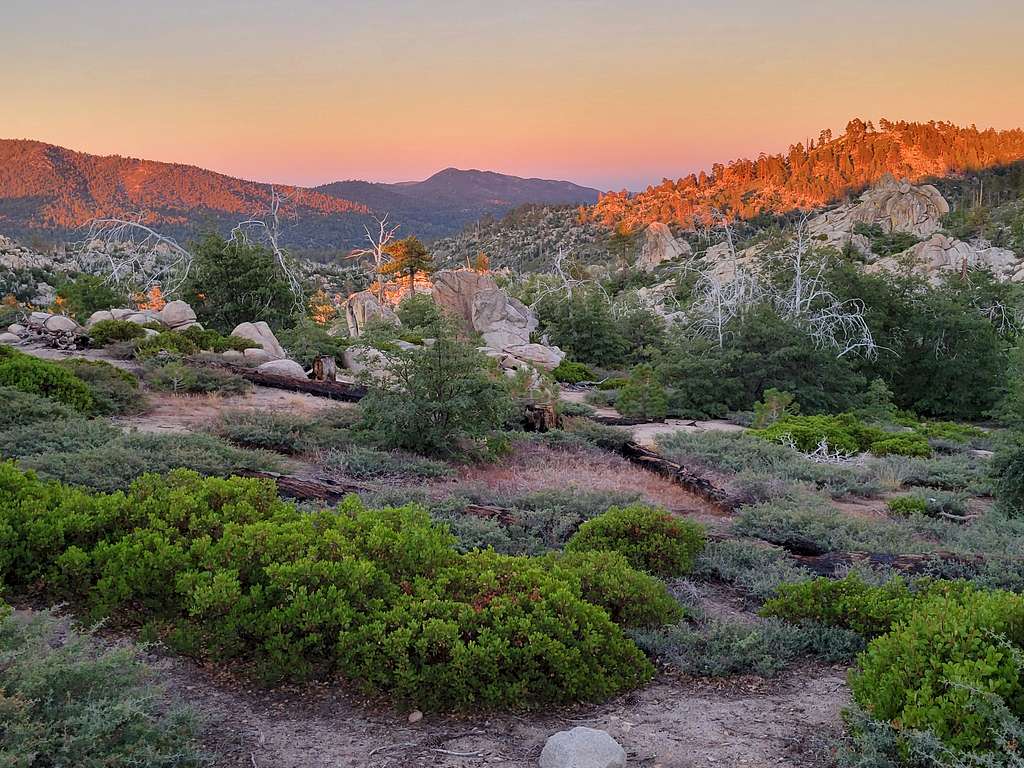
(822, 172)
(52, 191)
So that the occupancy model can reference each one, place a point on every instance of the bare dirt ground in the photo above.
(672, 723)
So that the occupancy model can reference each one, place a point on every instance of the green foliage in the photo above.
(266, 430)
(418, 311)
(773, 406)
(69, 700)
(115, 464)
(924, 672)
(308, 340)
(191, 341)
(583, 325)
(366, 463)
(23, 409)
(184, 379)
(42, 377)
(109, 331)
(57, 436)
(225, 569)
(233, 282)
(651, 539)
(885, 243)
(643, 396)
(877, 403)
(114, 391)
(844, 433)
(436, 399)
(87, 294)
(719, 648)
(907, 505)
(408, 257)
(756, 569)
(569, 372)
(632, 598)
(1008, 469)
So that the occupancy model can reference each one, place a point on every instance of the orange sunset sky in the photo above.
(610, 94)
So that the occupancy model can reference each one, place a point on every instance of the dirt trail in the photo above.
(669, 724)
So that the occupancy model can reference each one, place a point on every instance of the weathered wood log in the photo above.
(691, 481)
(336, 390)
(308, 487)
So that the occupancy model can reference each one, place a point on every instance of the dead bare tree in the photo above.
(267, 231)
(379, 241)
(138, 256)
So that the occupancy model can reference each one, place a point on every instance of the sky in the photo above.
(608, 94)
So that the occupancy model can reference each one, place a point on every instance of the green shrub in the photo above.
(109, 331)
(632, 598)
(184, 379)
(365, 463)
(309, 340)
(756, 569)
(437, 401)
(69, 700)
(923, 673)
(71, 434)
(569, 372)
(22, 409)
(494, 631)
(117, 463)
(766, 648)
(418, 311)
(643, 396)
(191, 341)
(905, 506)
(901, 445)
(42, 377)
(613, 383)
(772, 407)
(265, 430)
(1008, 470)
(225, 569)
(114, 391)
(88, 294)
(651, 539)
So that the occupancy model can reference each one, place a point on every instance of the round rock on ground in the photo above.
(582, 748)
(283, 368)
(9, 338)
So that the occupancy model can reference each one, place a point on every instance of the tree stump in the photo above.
(325, 368)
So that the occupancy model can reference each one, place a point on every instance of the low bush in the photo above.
(308, 340)
(115, 464)
(907, 505)
(44, 378)
(764, 648)
(927, 672)
(191, 341)
(107, 332)
(87, 294)
(651, 539)
(632, 598)
(1008, 470)
(58, 436)
(265, 430)
(756, 569)
(844, 433)
(569, 372)
(22, 409)
(225, 569)
(934, 504)
(114, 391)
(69, 700)
(183, 379)
(365, 463)
(643, 396)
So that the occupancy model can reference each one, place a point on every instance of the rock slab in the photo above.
(261, 334)
(582, 748)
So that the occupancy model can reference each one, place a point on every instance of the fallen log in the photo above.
(308, 487)
(691, 481)
(336, 390)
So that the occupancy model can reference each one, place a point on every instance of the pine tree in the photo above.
(408, 257)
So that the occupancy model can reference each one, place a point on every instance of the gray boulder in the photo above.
(61, 323)
(99, 316)
(660, 246)
(9, 338)
(261, 334)
(365, 360)
(363, 308)
(283, 368)
(257, 356)
(582, 748)
(178, 315)
(17, 329)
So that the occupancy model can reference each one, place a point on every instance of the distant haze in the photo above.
(602, 93)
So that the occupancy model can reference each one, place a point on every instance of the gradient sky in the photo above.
(610, 94)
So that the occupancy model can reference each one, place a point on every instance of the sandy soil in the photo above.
(672, 723)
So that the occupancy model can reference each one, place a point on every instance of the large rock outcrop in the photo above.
(260, 334)
(941, 254)
(660, 246)
(476, 303)
(363, 308)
